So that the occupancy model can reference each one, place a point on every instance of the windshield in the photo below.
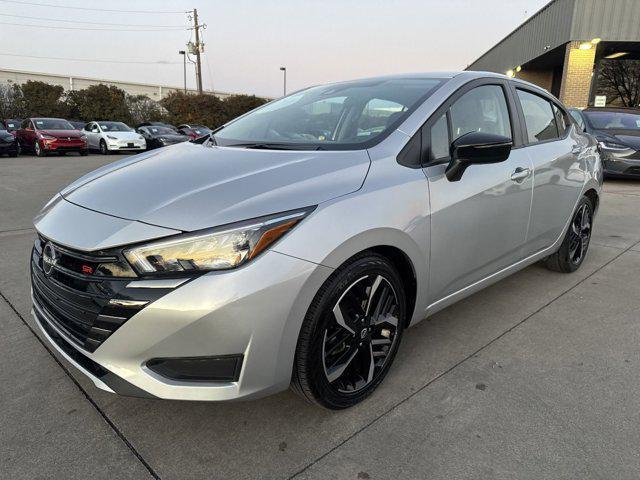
(613, 120)
(114, 127)
(161, 130)
(11, 125)
(350, 114)
(52, 124)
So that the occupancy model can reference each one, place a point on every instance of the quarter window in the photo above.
(578, 118)
(561, 121)
(539, 117)
(439, 139)
(483, 109)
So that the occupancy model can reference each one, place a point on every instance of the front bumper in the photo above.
(254, 311)
(60, 145)
(123, 145)
(621, 166)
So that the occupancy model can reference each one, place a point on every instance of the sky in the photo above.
(247, 41)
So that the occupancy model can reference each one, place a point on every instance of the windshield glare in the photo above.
(52, 124)
(115, 127)
(338, 116)
(161, 130)
(613, 120)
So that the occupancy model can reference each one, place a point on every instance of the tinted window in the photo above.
(578, 118)
(332, 116)
(561, 121)
(538, 117)
(439, 139)
(483, 109)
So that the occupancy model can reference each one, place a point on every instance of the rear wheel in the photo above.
(351, 333)
(575, 245)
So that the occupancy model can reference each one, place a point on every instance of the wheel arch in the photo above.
(593, 195)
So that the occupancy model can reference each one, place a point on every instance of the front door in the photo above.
(479, 223)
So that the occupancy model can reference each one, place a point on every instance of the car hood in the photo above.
(124, 135)
(190, 187)
(62, 133)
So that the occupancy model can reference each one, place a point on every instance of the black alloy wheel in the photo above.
(351, 333)
(575, 245)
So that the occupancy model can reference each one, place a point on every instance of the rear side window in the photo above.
(538, 116)
(562, 121)
(483, 109)
(578, 118)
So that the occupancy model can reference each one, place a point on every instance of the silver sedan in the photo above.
(295, 245)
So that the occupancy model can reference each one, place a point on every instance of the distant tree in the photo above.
(99, 102)
(619, 80)
(236, 105)
(207, 109)
(40, 99)
(144, 109)
(11, 101)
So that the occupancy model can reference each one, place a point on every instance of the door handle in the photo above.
(520, 174)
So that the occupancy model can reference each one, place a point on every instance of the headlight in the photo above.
(140, 137)
(610, 145)
(111, 137)
(217, 249)
(46, 137)
(83, 137)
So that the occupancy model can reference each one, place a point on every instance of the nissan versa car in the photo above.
(43, 136)
(296, 244)
(618, 131)
(111, 137)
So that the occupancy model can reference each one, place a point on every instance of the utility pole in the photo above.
(184, 65)
(198, 50)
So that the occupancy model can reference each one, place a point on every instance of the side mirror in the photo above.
(476, 148)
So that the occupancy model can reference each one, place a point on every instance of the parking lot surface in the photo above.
(535, 377)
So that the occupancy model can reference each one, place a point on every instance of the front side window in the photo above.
(538, 116)
(332, 117)
(483, 109)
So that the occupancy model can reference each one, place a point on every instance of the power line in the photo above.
(91, 60)
(91, 23)
(87, 8)
(55, 27)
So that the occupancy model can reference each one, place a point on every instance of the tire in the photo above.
(333, 362)
(575, 245)
(84, 153)
(18, 149)
(103, 148)
(39, 151)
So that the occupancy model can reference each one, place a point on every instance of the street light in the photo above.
(284, 70)
(184, 62)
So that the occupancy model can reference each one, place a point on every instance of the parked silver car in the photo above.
(299, 241)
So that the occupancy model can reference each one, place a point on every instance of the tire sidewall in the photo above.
(103, 148)
(569, 265)
(318, 318)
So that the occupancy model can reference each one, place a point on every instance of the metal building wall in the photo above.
(613, 20)
(551, 26)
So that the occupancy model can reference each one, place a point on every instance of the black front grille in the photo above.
(80, 298)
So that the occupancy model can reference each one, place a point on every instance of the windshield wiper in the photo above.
(275, 146)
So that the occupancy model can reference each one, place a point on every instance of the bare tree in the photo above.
(620, 79)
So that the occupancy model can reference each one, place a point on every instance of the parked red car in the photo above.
(48, 135)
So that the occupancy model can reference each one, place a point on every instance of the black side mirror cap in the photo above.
(476, 148)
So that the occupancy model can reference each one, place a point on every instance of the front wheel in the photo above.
(103, 148)
(351, 333)
(575, 245)
(39, 151)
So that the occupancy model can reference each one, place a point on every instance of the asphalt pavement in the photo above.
(535, 377)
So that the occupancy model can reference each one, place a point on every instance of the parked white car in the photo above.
(113, 136)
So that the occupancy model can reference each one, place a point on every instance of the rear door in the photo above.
(555, 152)
(479, 223)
